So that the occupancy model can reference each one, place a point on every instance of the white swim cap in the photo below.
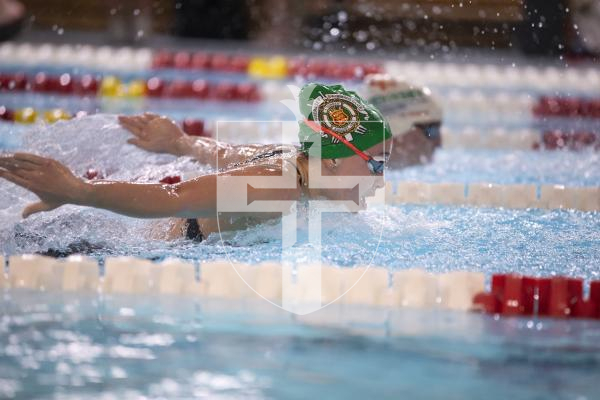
(403, 105)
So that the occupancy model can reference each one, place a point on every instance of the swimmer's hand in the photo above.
(153, 133)
(50, 180)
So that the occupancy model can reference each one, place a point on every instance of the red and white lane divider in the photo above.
(127, 59)
(276, 67)
(111, 86)
(561, 297)
(122, 59)
(510, 295)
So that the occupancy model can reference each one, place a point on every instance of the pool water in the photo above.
(569, 168)
(59, 345)
(437, 238)
(73, 346)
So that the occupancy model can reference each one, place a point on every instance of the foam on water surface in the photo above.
(73, 346)
(106, 346)
(434, 237)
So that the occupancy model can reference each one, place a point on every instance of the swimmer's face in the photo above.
(357, 167)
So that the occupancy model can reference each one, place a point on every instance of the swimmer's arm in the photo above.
(161, 135)
(196, 198)
(55, 185)
(218, 154)
(141, 200)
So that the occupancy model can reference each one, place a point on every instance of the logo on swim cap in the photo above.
(339, 113)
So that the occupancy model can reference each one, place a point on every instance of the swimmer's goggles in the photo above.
(376, 167)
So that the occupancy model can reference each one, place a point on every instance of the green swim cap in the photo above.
(343, 112)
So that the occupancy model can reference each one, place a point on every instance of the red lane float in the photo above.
(40, 83)
(16, 81)
(556, 140)
(86, 85)
(559, 297)
(65, 84)
(163, 59)
(220, 62)
(200, 61)
(339, 69)
(224, 91)
(239, 64)
(6, 114)
(248, 92)
(200, 89)
(178, 89)
(155, 87)
(182, 60)
(548, 106)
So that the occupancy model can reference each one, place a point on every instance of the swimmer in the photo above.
(355, 141)
(414, 117)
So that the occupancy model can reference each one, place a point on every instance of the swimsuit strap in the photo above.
(193, 231)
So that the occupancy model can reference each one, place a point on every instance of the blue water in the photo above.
(569, 168)
(70, 347)
(67, 346)
(439, 239)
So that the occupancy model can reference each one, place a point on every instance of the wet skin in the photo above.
(55, 184)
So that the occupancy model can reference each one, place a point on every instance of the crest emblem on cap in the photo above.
(339, 117)
(339, 113)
